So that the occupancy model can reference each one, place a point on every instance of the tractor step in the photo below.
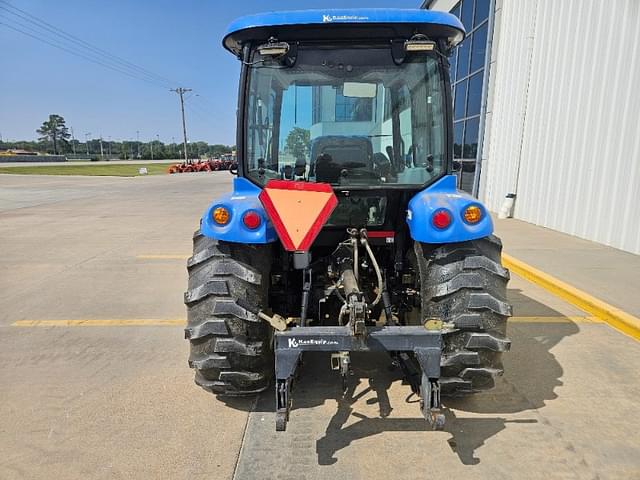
(426, 346)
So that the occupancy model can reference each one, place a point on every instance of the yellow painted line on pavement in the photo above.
(567, 319)
(162, 257)
(130, 322)
(614, 316)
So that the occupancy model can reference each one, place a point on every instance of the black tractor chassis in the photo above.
(426, 346)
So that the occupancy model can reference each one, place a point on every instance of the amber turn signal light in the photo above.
(472, 214)
(221, 215)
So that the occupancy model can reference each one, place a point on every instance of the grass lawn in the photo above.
(102, 169)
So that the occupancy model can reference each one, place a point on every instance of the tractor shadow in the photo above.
(532, 374)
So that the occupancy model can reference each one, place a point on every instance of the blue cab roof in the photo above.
(356, 16)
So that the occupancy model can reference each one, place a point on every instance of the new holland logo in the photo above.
(300, 342)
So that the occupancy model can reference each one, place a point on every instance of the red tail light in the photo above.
(251, 220)
(441, 219)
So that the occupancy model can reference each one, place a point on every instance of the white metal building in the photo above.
(547, 106)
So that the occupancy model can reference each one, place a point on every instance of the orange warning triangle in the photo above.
(298, 210)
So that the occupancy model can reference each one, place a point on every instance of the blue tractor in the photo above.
(344, 230)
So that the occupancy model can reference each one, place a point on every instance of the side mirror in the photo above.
(457, 165)
(233, 168)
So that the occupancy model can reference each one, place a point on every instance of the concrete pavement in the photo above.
(119, 401)
(103, 402)
(604, 272)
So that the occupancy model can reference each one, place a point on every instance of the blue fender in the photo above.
(444, 195)
(243, 198)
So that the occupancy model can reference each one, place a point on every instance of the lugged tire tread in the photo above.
(462, 358)
(204, 255)
(213, 287)
(487, 341)
(210, 361)
(230, 346)
(207, 327)
(228, 388)
(465, 283)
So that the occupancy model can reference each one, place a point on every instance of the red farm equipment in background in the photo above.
(226, 162)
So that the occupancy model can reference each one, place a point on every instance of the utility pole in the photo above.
(138, 142)
(109, 146)
(73, 141)
(181, 91)
(86, 140)
(101, 150)
(151, 149)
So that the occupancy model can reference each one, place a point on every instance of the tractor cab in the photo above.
(357, 99)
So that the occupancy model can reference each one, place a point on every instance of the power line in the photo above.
(202, 110)
(71, 48)
(87, 52)
(205, 106)
(81, 43)
(206, 99)
(198, 114)
(81, 55)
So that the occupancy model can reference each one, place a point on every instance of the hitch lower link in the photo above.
(400, 341)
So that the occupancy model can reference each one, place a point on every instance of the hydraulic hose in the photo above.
(354, 244)
(336, 289)
(376, 268)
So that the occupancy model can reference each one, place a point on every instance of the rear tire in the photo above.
(466, 284)
(230, 346)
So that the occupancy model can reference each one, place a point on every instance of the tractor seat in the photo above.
(332, 154)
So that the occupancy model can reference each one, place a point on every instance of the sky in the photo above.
(179, 40)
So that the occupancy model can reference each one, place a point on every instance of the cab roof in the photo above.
(327, 23)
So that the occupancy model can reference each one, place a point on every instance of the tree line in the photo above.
(55, 138)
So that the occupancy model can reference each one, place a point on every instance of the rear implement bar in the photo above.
(425, 344)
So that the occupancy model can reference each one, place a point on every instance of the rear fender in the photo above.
(243, 198)
(444, 195)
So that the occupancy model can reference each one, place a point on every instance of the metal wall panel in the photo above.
(563, 125)
(580, 161)
(510, 70)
